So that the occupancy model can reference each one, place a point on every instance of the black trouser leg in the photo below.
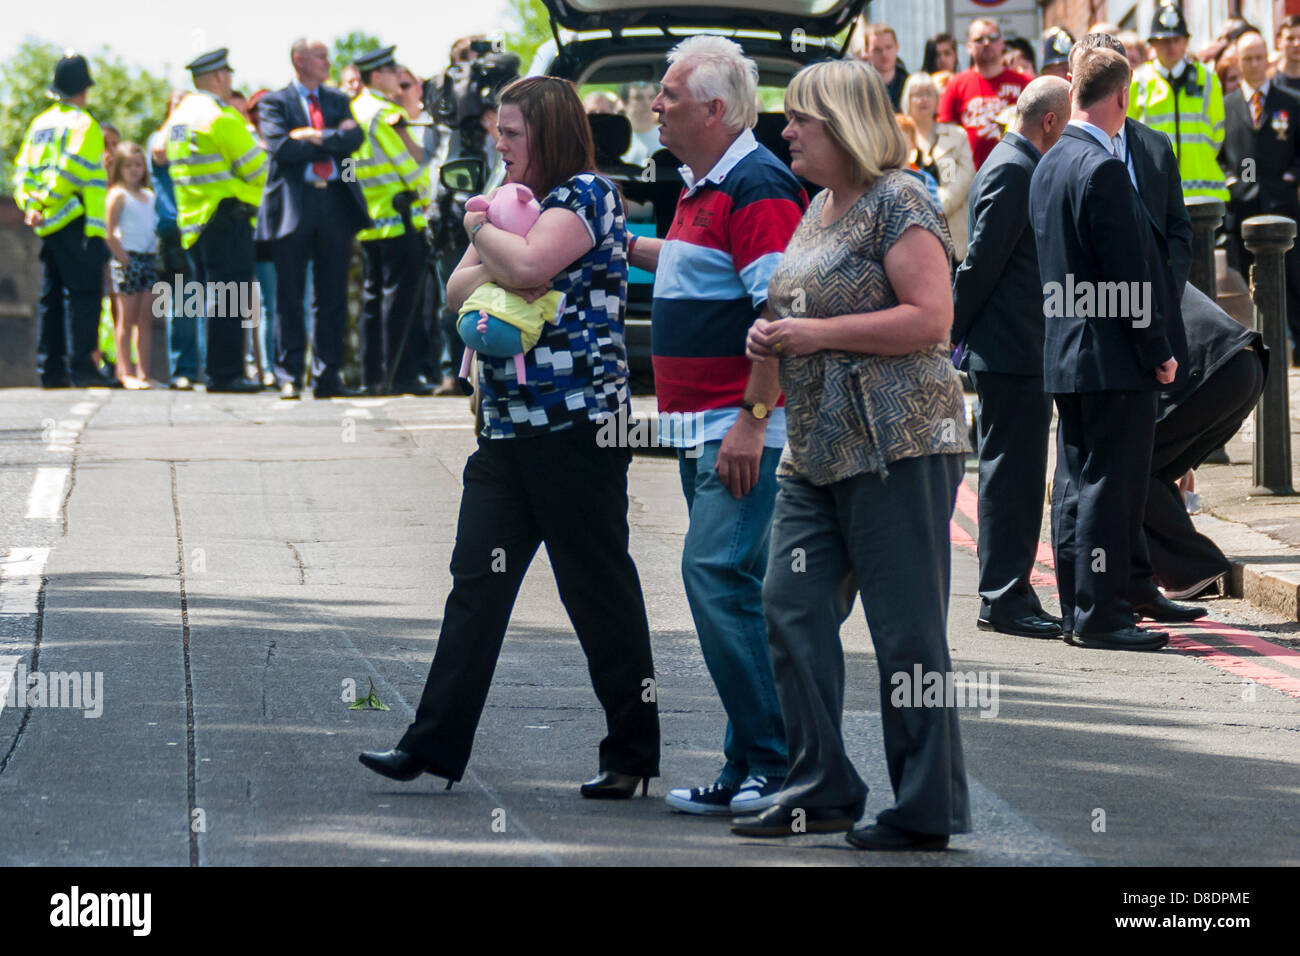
(222, 259)
(496, 538)
(79, 273)
(1179, 555)
(331, 250)
(1105, 440)
(290, 255)
(1013, 422)
(370, 335)
(403, 260)
(586, 539)
(51, 318)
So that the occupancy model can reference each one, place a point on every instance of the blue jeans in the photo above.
(723, 564)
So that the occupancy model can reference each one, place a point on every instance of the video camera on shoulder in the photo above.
(470, 88)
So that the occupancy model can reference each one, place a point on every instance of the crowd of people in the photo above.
(811, 349)
(309, 168)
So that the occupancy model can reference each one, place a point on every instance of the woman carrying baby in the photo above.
(539, 474)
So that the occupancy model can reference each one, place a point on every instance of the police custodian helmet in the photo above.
(1168, 22)
(71, 75)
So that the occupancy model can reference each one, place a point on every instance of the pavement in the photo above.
(1261, 534)
(227, 573)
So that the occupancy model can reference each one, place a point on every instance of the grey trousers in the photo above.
(887, 540)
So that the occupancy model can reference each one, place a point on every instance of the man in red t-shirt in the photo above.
(976, 96)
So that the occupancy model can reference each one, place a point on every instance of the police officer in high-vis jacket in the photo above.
(389, 173)
(218, 170)
(1181, 98)
(60, 188)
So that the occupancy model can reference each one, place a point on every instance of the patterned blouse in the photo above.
(577, 371)
(849, 413)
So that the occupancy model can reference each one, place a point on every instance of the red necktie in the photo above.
(321, 167)
(1256, 108)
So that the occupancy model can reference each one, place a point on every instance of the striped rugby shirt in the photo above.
(725, 241)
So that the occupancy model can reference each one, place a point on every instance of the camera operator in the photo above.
(464, 104)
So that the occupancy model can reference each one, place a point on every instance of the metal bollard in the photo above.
(1206, 215)
(1268, 238)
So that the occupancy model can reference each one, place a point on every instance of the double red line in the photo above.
(1227, 638)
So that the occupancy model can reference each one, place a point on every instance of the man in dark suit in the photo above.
(1153, 168)
(998, 317)
(1260, 159)
(1113, 337)
(310, 212)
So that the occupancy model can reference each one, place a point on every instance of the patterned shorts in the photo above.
(138, 276)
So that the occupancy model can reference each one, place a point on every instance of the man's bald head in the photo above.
(1252, 55)
(1042, 111)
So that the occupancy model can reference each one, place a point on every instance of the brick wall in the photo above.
(20, 283)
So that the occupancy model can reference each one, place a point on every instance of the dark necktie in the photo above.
(321, 167)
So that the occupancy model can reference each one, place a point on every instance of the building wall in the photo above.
(914, 21)
(20, 281)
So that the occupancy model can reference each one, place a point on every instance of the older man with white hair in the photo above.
(734, 218)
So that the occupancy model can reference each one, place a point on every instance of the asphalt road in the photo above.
(232, 566)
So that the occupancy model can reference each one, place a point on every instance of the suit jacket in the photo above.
(1161, 187)
(998, 295)
(1213, 337)
(1275, 152)
(280, 112)
(1096, 246)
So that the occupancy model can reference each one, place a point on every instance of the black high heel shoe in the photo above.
(612, 785)
(399, 765)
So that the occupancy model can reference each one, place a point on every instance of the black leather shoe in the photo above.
(56, 383)
(612, 785)
(1031, 625)
(882, 836)
(1160, 608)
(779, 821)
(94, 381)
(289, 391)
(397, 764)
(412, 387)
(1128, 639)
(334, 390)
(234, 386)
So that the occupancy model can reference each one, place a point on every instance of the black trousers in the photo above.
(392, 279)
(67, 316)
(1103, 459)
(319, 240)
(563, 490)
(1176, 554)
(1013, 421)
(223, 254)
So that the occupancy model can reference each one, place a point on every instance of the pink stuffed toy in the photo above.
(493, 320)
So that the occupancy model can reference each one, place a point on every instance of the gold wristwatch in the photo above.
(757, 409)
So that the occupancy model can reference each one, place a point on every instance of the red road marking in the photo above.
(1244, 667)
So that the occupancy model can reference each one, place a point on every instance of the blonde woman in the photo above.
(943, 150)
(876, 439)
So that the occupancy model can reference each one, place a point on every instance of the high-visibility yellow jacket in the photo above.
(212, 156)
(384, 168)
(1192, 118)
(60, 171)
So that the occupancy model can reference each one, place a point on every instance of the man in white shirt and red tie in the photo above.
(310, 212)
(1260, 159)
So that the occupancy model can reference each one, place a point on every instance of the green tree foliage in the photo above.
(347, 48)
(132, 99)
(530, 28)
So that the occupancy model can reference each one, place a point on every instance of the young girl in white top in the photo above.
(133, 241)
